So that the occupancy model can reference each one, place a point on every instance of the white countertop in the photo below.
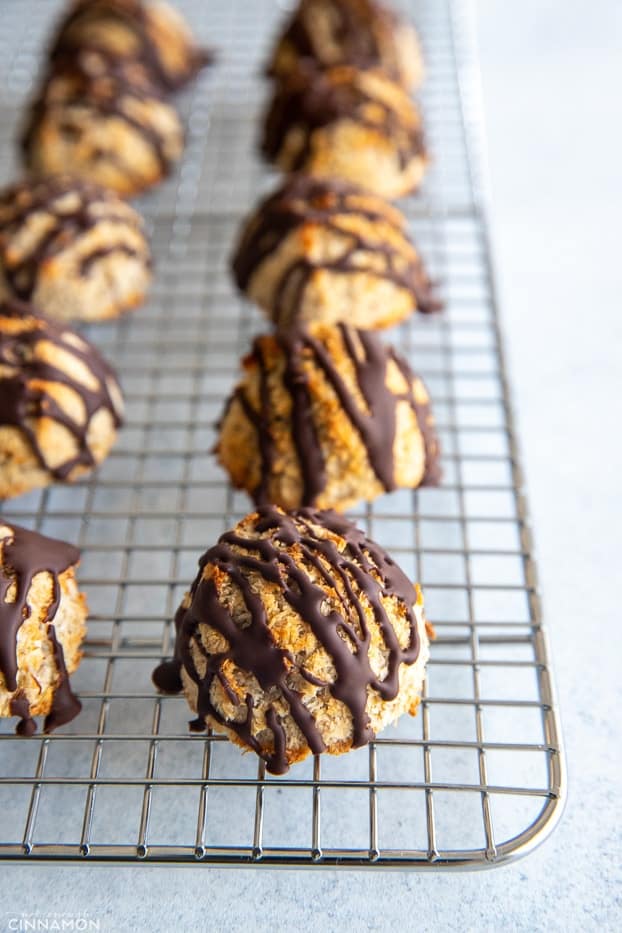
(552, 76)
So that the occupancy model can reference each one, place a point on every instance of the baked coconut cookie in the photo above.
(60, 403)
(109, 124)
(363, 33)
(299, 636)
(347, 123)
(152, 33)
(324, 250)
(74, 249)
(42, 624)
(326, 416)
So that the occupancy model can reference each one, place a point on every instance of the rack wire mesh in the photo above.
(477, 778)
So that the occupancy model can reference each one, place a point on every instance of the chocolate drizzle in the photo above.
(375, 424)
(19, 203)
(166, 676)
(20, 707)
(312, 99)
(304, 433)
(120, 249)
(134, 15)
(303, 201)
(354, 573)
(25, 396)
(65, 704)
(362, 33)
(24, 555)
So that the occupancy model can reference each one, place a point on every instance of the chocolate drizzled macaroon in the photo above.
(350, 124)
(299, 636)
(42, 624)
(108, 123)
(363, 33)
(324, 250)
(60, 403)
(152, 33)
(325, 416)
(74, 249)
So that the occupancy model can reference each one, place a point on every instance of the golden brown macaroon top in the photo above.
(87, 88)
(312, 389)
(153, 34)
(289, 613)
(362, 33)
(371, 231)
(41, 219)
(310, 100)
(52, 376)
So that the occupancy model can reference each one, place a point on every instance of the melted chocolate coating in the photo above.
(23, 400)
(311, 101)
(65, 704)
(24, 555)
(306, 200)
(358, 27)
(134, 16)
(376, 427)
(360, 573)
(166, 676)
(27, 199)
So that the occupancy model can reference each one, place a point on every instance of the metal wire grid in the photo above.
(477, 777)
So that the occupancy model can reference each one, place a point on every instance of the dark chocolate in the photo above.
(20, 707)
(65, 704)
(167, 676)
(306, 200)
(359, 574)
(23, 399)
(24, 555)
(121, 249)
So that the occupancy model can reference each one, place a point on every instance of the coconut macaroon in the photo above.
(363, 33)
(299, 636)
(42, 624)
(347, 123)
(323, 250)
(74, 249)
(152, 33)
(60, 403)
(110, 124)
(326, 416)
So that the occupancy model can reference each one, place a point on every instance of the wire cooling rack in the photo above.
(477, 777)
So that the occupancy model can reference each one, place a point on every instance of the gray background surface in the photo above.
(551, 76)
